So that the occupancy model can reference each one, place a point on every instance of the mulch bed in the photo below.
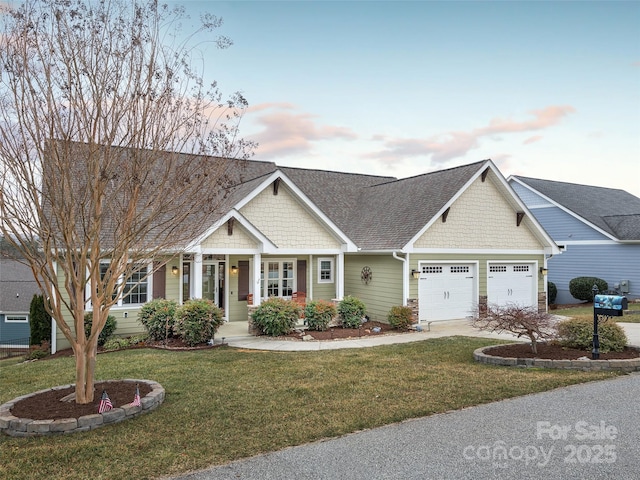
(551, 351)
(48, 405)
(335, 333)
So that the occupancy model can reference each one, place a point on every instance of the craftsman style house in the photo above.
(444, 243)
(598, 229)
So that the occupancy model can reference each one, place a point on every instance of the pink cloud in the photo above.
(445, 147)
(534, 139)
(284, 132)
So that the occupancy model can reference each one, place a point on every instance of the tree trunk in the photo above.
(85, 370)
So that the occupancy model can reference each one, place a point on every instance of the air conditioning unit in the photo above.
(624, 286)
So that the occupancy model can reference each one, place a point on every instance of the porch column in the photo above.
(257, 294)
(197, 275)
(340, 276)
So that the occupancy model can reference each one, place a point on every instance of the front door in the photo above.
(210, 282)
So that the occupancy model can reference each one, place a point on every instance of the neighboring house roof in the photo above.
(614, 211)
(17, 286)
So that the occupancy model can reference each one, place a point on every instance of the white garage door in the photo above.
(446, 291)
(511, 283)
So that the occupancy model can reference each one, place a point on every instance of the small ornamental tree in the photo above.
(519, 320)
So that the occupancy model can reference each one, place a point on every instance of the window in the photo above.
(16, 318)
(325, 270)
(136, 287)
(280, 278)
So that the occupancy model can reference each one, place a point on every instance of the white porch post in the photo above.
(310, 278)
(340, 276)
(257, 294)
(197, 275)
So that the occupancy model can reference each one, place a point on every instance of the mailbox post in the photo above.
(595, 353)
(606, 306)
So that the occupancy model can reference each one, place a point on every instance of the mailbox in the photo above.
(611, 305)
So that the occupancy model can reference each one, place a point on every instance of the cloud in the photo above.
(285, 132)
(534, 139)
(447, 146)
(636, 64)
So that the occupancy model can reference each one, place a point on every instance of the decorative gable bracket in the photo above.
(519, 217)
(230, 223)
(445, 214)
(276, 184)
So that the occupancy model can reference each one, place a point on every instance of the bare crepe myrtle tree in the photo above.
(523, 321)
(113, 151)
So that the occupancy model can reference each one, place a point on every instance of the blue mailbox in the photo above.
(612, 305)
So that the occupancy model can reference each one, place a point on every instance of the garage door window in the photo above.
(431, 269)
(463, 269)
(521, 268)
(497, 268)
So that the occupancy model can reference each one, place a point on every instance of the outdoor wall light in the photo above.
(175, 270)
(234, 269)
(415, 273)
(543, 271)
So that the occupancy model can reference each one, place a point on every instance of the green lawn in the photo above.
(225, 404)
(587, 310)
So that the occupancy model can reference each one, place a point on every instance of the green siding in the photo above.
(383, 291)
(323, 291)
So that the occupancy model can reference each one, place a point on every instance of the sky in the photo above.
(545, 89)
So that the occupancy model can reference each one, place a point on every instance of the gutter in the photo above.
(405, 277)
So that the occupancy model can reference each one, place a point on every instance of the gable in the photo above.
(481, 218)
(286, 222)
(239, 238)
(564, 227)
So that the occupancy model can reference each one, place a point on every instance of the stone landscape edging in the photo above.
(25, 427)
(616, 365)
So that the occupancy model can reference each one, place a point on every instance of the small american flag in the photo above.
(136, 399)
(105, 403)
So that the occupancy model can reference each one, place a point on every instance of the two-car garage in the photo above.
(450, 290)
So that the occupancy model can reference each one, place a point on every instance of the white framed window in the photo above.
(277, 278)
(16, 318)
(325, 270)
(136, 287)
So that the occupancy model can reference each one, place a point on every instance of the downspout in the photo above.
(405, 278)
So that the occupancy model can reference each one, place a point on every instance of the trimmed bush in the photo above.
(581, 287)
(118, 343)
(198, 321)
(352, 311)
(107, 330)
(159, 318)
(276, 316)
(318, 314)
(552, 291)
(39, 321)
(578, 333)
(400, 318)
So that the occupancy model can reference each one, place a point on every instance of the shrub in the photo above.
(39, 321)
(351, 310)
(159, 318)
(318, 314)
(39, 351)
(276, 316)
(118, 343)
(400, 318)
(578, 333)
(107, 330)
(581, 287)
(198, 321)
(552, 292)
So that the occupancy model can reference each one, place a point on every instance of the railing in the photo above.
(14, 348)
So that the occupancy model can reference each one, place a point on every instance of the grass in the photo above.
(587, 310)
(226, 404)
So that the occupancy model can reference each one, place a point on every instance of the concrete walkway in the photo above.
(236, 334)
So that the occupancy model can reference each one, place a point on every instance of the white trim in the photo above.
(262, 241)
(478, 251)
(591, 242)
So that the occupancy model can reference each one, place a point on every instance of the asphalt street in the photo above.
(588, 431)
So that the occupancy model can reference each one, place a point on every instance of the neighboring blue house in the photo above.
(598, 229)
(17, 288)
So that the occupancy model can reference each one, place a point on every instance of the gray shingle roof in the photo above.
(615, 211)
(17, 286)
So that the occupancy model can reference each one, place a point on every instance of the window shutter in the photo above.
(243, 279)
(302, 276)
(160, 282)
